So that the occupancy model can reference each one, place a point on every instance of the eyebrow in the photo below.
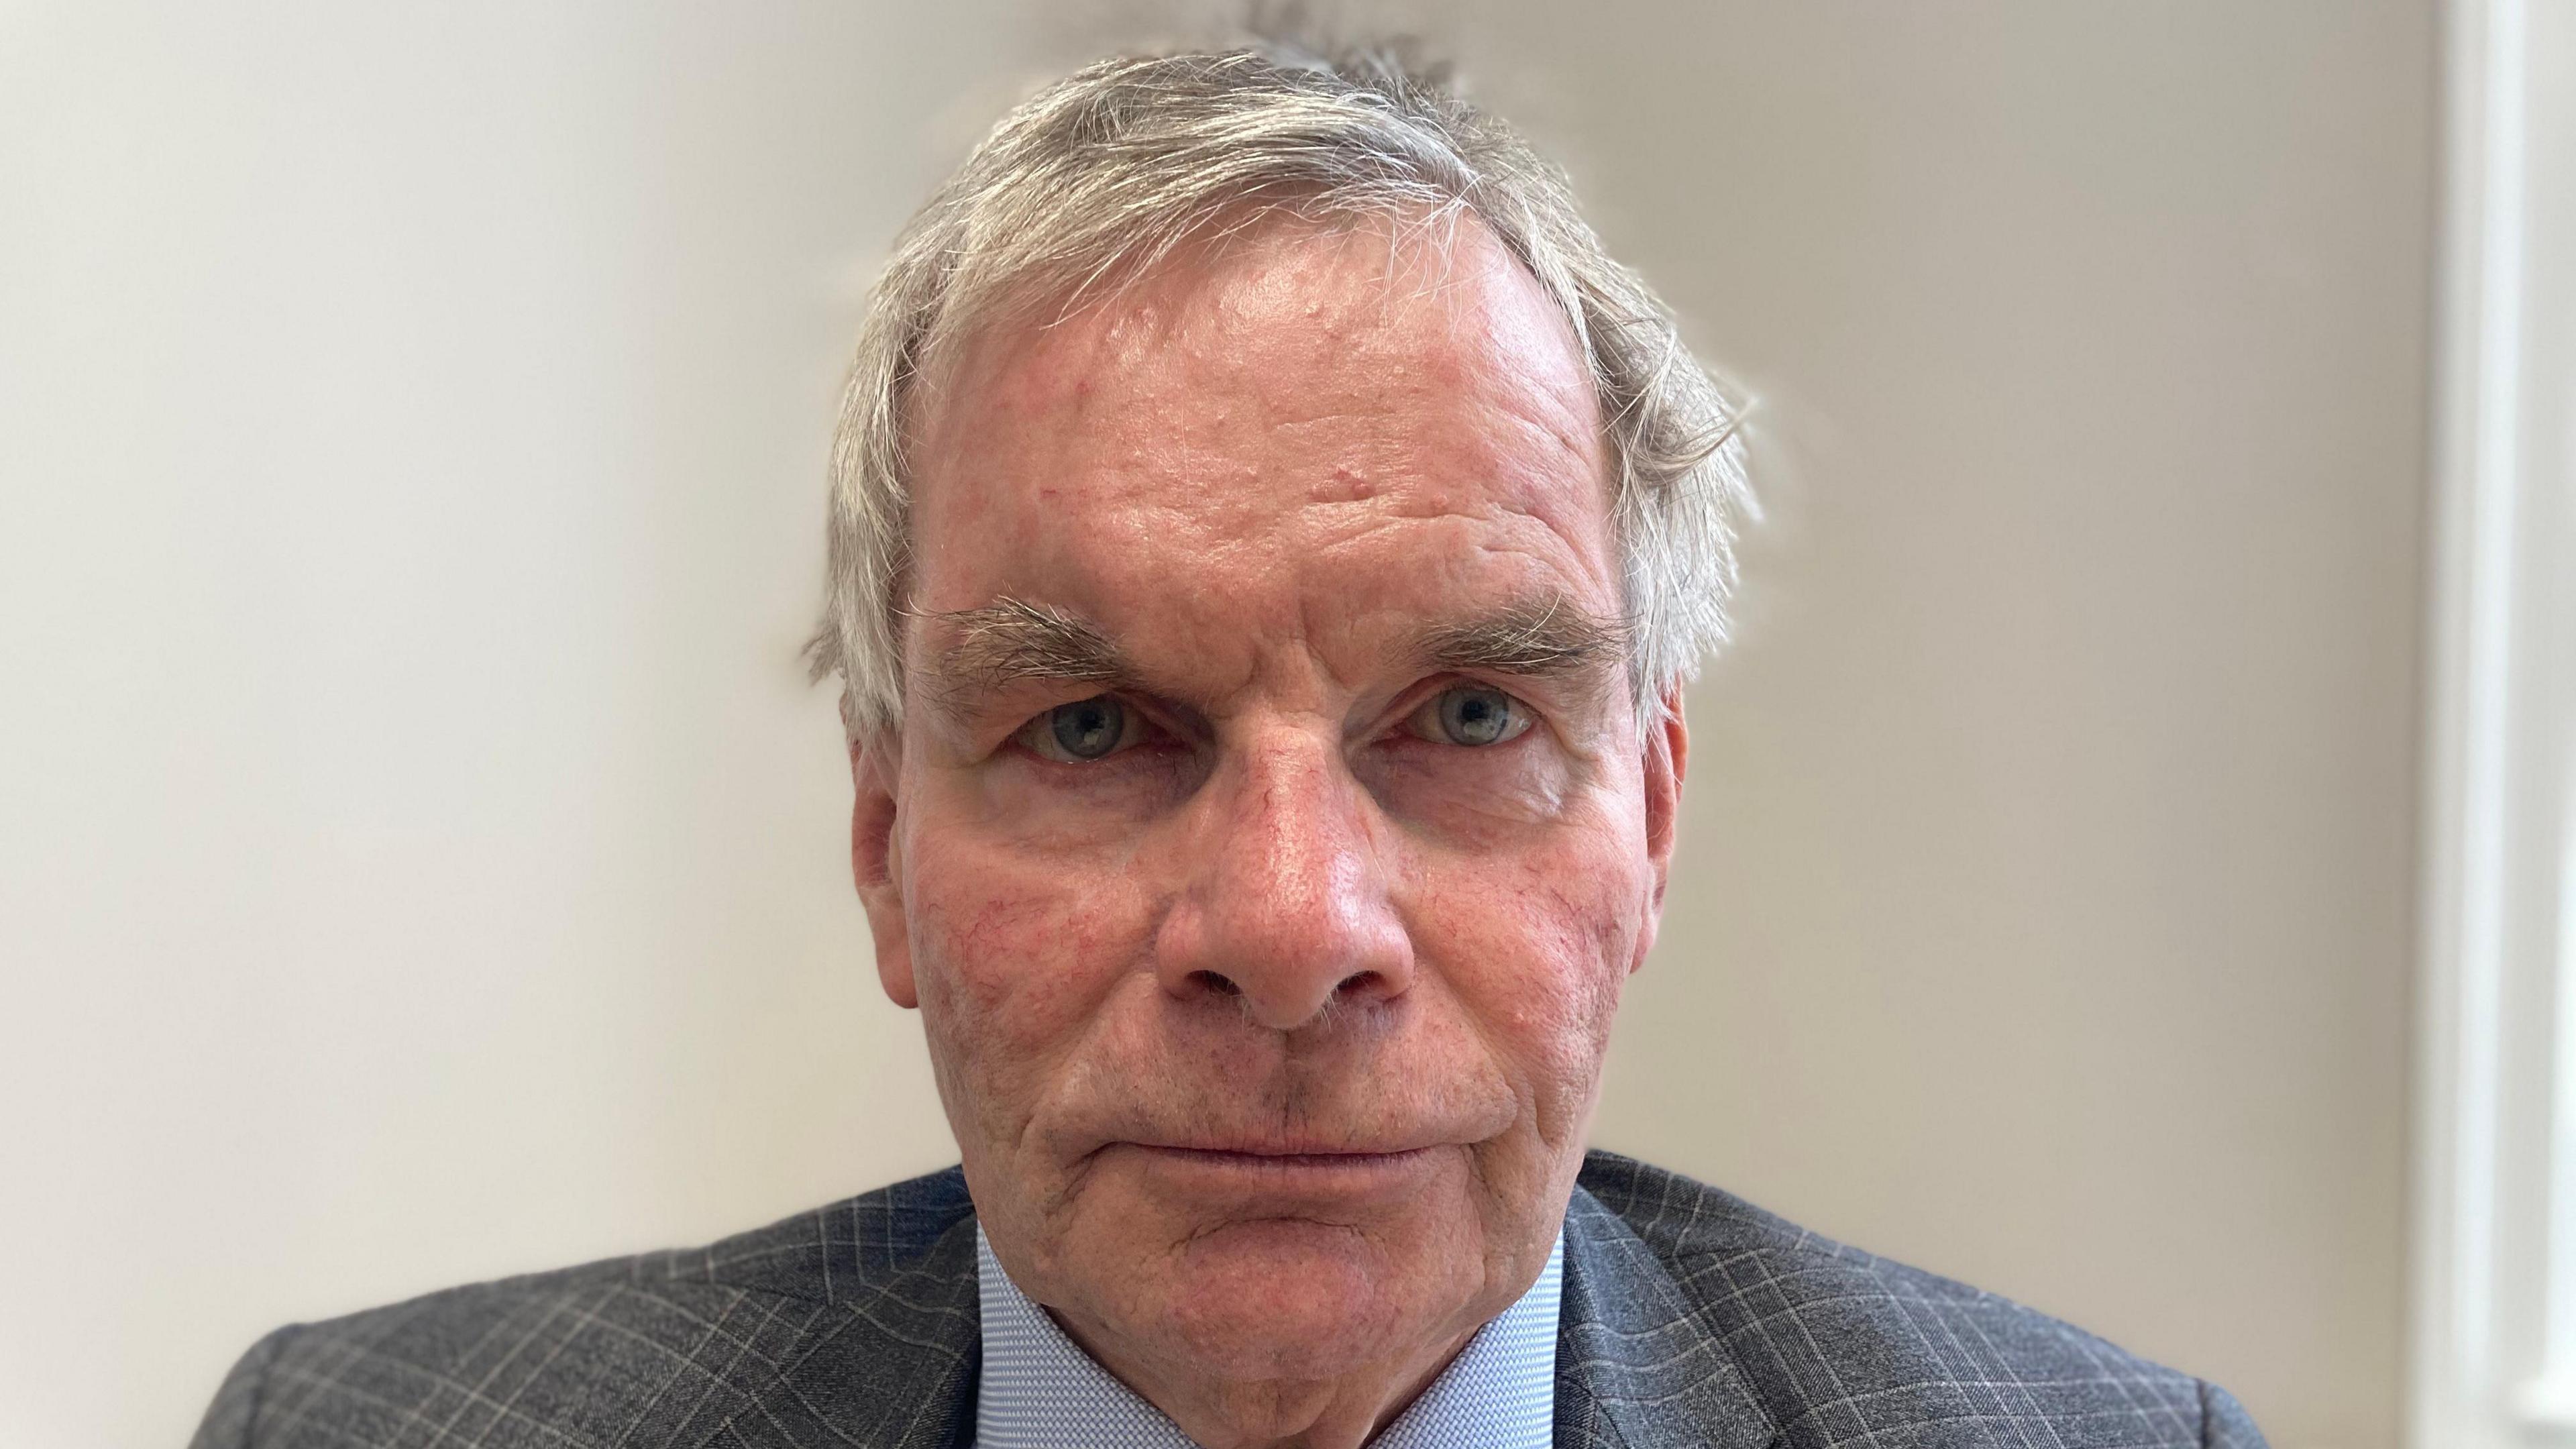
(1011, 641)
(1544, 636)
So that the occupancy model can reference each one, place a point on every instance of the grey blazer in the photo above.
(1689, 1318)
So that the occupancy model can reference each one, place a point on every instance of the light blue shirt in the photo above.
(1039, 1390)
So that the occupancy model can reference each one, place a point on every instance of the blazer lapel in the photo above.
(1634, 1368)
(890, 1367)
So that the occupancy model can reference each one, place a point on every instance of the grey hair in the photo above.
(1105, 173)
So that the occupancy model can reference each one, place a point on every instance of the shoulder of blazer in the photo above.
(1840, 1346)
(660, 1349)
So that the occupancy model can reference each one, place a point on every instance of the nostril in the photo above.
(1215, 982)
(1356, 983)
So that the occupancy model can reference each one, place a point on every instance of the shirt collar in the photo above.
(1039, 1390)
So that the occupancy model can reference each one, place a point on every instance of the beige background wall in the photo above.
(2051, 836)
(419, 858)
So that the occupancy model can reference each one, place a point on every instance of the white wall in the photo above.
(420, 858)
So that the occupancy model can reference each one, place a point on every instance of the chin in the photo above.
(1289, 1299)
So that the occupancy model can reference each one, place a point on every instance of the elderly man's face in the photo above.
(1270, 831)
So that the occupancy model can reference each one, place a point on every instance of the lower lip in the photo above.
(1306, 1170)
(1293, 1159)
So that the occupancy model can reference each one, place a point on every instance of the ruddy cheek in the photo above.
(1017, 967)
(1000, 967)
(1537, 950)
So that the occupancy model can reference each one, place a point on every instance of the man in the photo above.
(1270, 539)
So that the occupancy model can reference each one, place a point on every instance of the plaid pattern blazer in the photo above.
(1689, 1318)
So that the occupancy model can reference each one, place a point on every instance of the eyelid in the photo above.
(1144, 718)
(1427, 696)
(1410, 699)
(1036, 734)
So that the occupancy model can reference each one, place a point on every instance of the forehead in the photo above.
(1316, 431)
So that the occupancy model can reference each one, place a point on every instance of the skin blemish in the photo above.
(1346, 485)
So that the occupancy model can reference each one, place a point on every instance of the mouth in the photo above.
(1289, 1159)
(1281, 1175)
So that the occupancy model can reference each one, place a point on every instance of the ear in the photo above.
(1667, 759)
(876, 863)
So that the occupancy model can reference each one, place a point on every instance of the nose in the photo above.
(1287, 905)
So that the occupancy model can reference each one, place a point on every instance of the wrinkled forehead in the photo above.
(1342, 273)
(1306, 416)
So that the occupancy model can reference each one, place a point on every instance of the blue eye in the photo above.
(1087, 729)
(1471, 716)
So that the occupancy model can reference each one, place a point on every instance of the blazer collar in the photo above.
(1634, 1367)
(894, 1365)
(890, 1366)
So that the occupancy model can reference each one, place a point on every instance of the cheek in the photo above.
(1013, 957)
(1536, 945)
